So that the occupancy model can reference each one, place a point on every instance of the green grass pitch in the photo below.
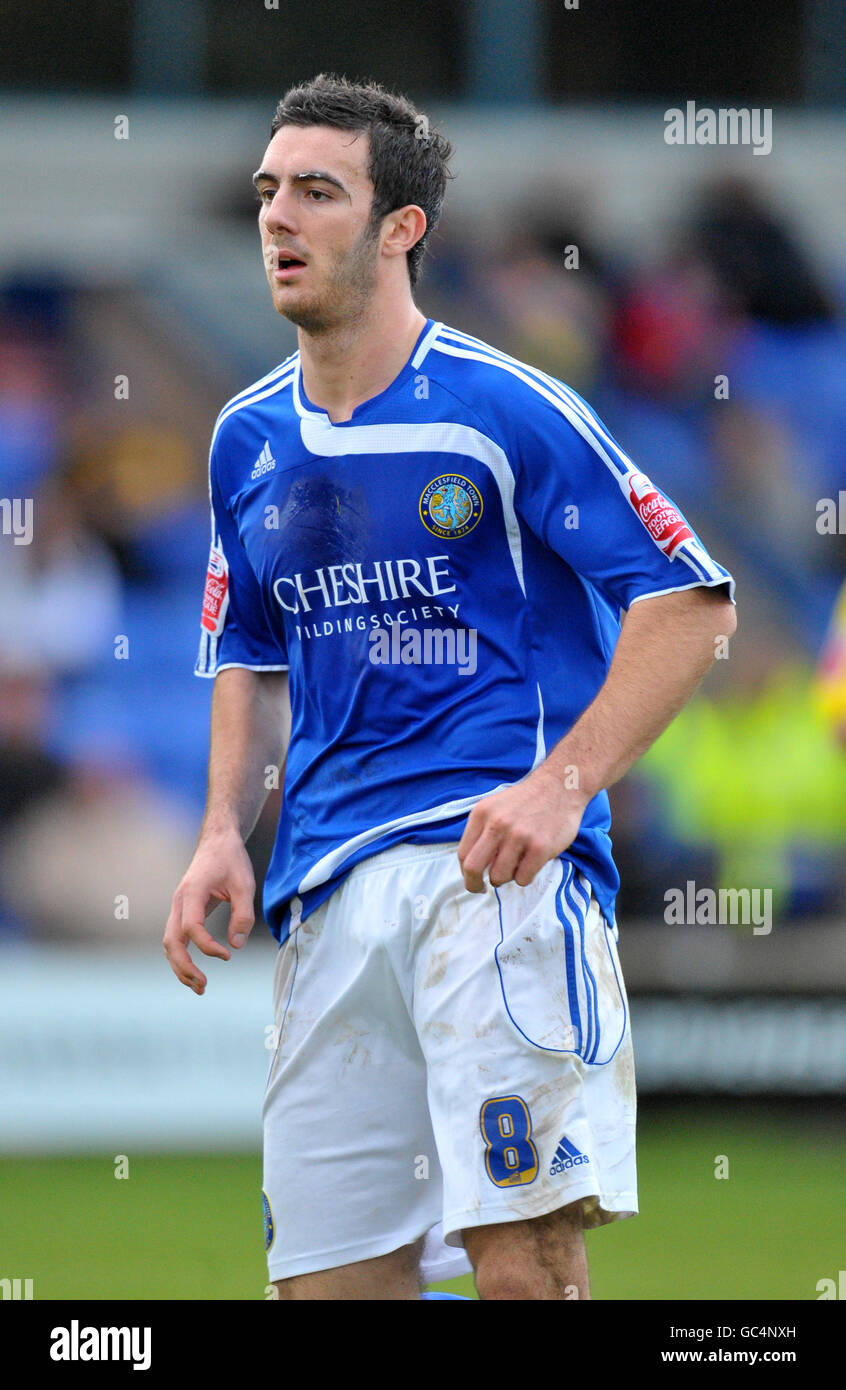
(190, 1226)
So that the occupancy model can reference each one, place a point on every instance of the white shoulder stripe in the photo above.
(576, 419)
(563, 392)
(240, 404)
(619, 463)
(262, 381)
(426, 344)
(713, 573)
(207, 658)
(566, 393)
(695, 558)
(277, 380)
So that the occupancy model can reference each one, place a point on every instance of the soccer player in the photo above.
(453, 1082)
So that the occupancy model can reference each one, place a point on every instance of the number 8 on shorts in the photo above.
(510, 1155)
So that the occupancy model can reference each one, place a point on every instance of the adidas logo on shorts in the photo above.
(566, 1156)
(265, 463)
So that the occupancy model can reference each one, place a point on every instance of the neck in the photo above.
(348, 364)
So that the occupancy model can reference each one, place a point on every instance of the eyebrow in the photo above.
(262, 176)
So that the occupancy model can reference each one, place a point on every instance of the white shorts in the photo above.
(445, 1060)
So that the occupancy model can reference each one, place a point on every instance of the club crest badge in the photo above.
(450, 506)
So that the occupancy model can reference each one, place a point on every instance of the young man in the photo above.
(437, 543)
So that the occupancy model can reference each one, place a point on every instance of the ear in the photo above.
(402, 229)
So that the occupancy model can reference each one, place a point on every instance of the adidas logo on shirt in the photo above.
(567, 1156)
(265, 463)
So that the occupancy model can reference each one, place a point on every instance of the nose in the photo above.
(280, 212)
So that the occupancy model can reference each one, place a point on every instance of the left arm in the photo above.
(665, 647)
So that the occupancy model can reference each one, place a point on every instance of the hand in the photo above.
(219, 872)
(513, 833)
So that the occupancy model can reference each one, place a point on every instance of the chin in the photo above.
(306, 314)
(289, 306)
(302, 316)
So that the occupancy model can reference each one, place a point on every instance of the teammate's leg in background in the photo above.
(387, 1277)
(540, 1259)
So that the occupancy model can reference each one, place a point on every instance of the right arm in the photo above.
(250, 723)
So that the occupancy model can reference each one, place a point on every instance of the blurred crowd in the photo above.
(721, 369)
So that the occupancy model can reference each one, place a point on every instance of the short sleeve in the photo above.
(234, 626)
(586, 500)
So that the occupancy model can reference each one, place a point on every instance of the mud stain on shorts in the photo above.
(437, 969)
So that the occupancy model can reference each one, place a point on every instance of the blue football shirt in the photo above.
(443, 575)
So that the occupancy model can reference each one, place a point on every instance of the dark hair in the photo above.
(408, 161)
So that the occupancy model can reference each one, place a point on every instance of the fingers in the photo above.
(175, 949)
(242, 917)
(531, 862)
(185, 924)
(194, 911)
(505, 855)
(221, 871)
(508, 855)
(475, 851)
(490, 843)
(498, 839)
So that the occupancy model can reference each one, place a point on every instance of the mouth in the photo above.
(285, 267)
